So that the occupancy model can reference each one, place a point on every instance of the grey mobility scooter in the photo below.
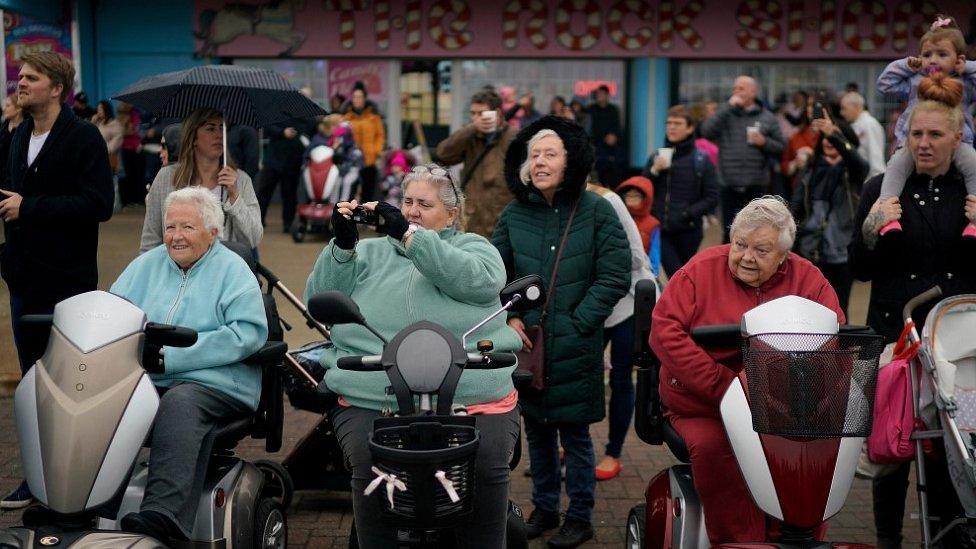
(85, 411)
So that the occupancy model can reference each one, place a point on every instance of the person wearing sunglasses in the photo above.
(422, 268)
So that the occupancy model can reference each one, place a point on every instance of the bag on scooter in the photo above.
(890, 440)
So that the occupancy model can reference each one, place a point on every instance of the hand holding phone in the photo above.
(364, 216)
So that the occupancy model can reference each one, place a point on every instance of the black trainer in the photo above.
(153, 524)
(539, 522)
(572, 534)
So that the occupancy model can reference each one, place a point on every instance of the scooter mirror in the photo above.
(524, 294)
(335, 308)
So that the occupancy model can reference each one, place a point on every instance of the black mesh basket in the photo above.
(415, 449)
(812, 385)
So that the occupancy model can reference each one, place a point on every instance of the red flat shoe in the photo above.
(607, 474)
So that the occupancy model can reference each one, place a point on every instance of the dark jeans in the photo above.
(486, 528)
(840, 277)
(132, 187)
(30, 339)
(368, 177)
(621, 339)
(544, 440)
(734, 199)
(268, 179)
(678, 248)
(889, 493)
(182, 440)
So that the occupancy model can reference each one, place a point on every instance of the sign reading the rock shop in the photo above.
(815, 29)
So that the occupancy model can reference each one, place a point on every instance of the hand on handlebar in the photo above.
(516, 324)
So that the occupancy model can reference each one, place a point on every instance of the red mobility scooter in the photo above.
(796, 417)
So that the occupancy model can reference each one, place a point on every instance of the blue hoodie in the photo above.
(219, 297)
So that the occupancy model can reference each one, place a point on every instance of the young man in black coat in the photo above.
(58, 188)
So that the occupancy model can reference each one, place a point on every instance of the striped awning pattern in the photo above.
(245, 95)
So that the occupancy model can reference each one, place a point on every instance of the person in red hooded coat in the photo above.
(717, 286)
(638, 195)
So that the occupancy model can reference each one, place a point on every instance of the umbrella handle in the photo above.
(224, 125)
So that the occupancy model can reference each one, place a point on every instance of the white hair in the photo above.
(525, 171)
(447, 191)
(205, 202)
(766, 211)
(853, 99)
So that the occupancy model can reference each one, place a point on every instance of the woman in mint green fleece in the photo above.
(193, 281)
(424, 269)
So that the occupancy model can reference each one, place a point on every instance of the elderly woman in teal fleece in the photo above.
(424, 269)
(192, 280)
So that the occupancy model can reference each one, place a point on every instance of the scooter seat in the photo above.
(675, 443)
(228, 435)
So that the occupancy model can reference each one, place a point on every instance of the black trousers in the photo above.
(368, 177)
(132, 187)
(268, 179)
(678, 248)
(734, 199)
(840, 277)
(30, 339)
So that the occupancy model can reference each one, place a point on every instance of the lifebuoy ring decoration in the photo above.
(769, 30)
(615, 27)
(682, 25)
(879, 25)
(534, 30)
(828, 26)
(460, 37)
(594, 24)
(794, 25)
(901, 30)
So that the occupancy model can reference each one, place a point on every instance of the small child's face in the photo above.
(939, 55)
(633, 198)
(397, 170)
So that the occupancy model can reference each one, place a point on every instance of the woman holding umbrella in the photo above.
(200, 165)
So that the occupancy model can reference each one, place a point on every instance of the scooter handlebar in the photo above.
(490, 361)
(369, 363)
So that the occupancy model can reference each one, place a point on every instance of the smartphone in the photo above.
(818, 110)
(489, 116)
(363, 216)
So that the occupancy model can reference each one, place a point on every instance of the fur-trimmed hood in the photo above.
(579, 156)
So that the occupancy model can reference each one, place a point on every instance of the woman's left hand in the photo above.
(227, 178)
(971, 207)
(824, 125)
(391, 220)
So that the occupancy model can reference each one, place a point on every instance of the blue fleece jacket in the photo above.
(448, 277)
(218, 297)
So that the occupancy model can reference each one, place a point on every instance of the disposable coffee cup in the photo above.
(752, 131)
(667, 153)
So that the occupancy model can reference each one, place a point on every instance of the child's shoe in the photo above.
(969, 231)
(894, 226)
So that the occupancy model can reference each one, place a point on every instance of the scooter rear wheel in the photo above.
(635, 527)
(270, 527)
(277, 481)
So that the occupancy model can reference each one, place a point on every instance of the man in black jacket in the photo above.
(58, 188)
(685, 189)
(282, 166)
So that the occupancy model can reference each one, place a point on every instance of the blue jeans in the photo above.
(621, 339)
(30, 339)
(544, 442)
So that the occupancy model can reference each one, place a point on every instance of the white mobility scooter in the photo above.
(84, 412)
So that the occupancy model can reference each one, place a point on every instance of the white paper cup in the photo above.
(752, 131)
(667, 153)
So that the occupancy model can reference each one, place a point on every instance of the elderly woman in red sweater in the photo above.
(716, 287)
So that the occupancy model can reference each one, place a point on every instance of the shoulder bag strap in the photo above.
(551, 289)
(469, 171)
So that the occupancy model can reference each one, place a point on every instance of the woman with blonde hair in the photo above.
(201, 149)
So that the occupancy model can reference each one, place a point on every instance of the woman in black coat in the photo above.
(929, 251)
(825, 202)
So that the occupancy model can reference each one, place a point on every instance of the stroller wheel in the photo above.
(298, 233)
(278, 484)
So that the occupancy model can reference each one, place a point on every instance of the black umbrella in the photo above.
(244, 95)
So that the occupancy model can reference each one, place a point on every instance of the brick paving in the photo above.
(322, 519)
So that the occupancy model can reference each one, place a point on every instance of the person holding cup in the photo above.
(799, 150)
(481, 146)
(743, 152)
(687, 189)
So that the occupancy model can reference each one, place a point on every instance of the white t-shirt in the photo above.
(34, 148)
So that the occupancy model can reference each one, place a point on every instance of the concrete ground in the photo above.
(323, 519)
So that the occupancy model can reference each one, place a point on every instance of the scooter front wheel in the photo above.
(270, 528)
(635, 527)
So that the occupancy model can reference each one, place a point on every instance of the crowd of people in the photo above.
(807, 201)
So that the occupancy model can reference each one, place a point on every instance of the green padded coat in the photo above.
(594, 273)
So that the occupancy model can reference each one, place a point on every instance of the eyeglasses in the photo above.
(438, 171)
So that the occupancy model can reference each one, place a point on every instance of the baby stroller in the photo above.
(944, 395)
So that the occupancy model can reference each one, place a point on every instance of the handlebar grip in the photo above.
(476, 361)
(267, 274)
(924, 297)
(359, 363)
(718, 335)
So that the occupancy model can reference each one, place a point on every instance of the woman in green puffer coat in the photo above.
(546, 168)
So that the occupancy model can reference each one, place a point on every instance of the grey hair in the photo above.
(854, 99)
(769, 210)
(447, 191)
(205, 202)
(525, 171)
